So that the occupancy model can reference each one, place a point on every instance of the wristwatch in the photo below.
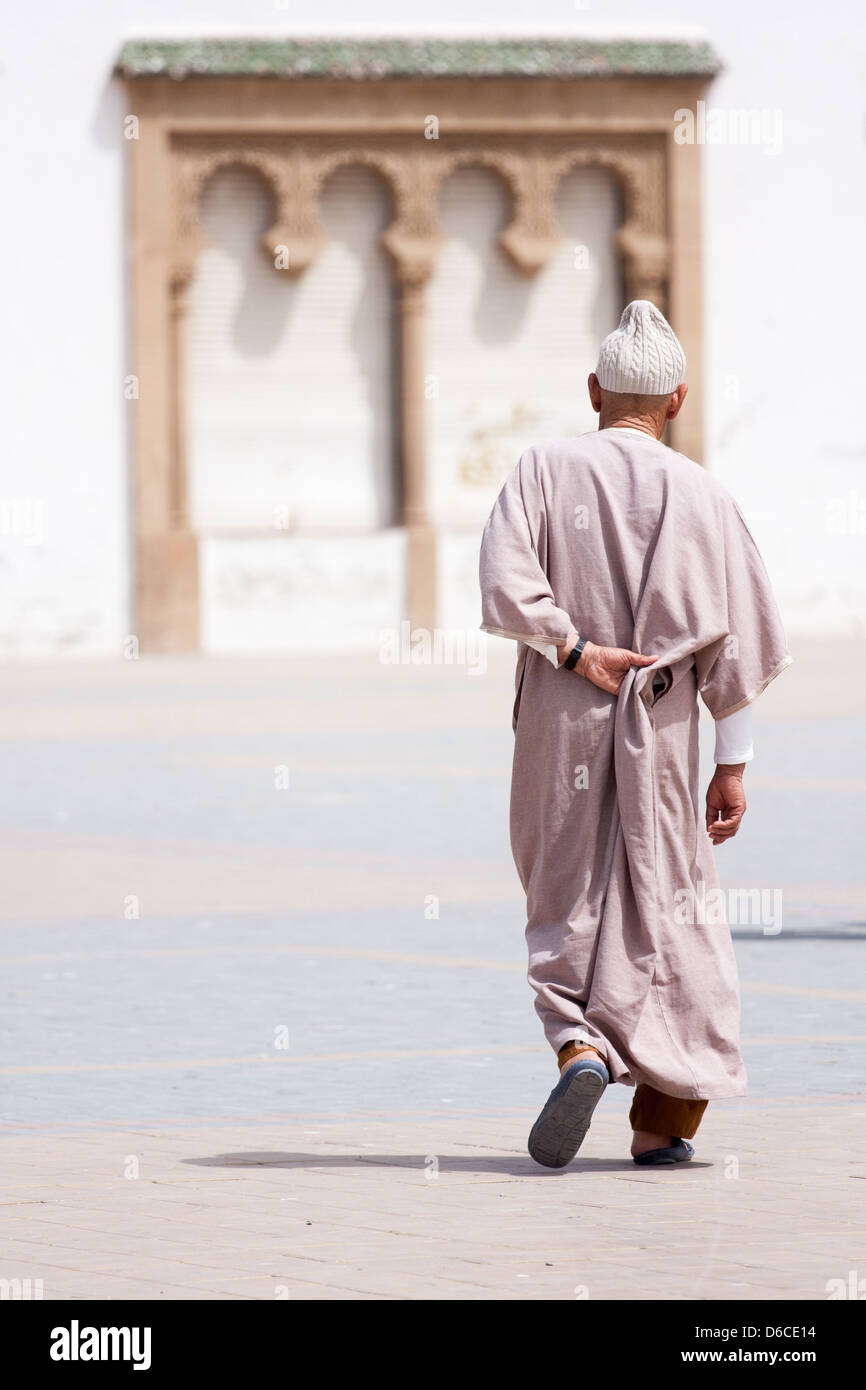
(575, 654)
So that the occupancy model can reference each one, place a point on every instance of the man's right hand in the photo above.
(726, 802)
(606, 667)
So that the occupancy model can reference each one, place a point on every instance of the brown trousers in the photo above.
(651, 1110)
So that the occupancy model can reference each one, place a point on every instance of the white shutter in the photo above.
(289, 379)
(291, 438)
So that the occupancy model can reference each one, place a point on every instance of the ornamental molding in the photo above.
(295, 173)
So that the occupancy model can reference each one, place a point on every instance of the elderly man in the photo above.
(629, 578)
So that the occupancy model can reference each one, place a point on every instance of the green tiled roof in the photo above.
(399, 57)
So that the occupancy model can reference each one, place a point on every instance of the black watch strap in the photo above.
(575, 654)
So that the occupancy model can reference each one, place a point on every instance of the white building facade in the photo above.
(292, 443)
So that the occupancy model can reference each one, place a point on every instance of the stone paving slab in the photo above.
(268, 1211)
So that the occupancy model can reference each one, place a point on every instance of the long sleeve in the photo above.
(516, 598)
(734, 737)
(734, 668)
(550, 651)
(547, 649)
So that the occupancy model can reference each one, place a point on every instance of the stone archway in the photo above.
(295, 111)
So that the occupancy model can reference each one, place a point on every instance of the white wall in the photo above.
(784, 286)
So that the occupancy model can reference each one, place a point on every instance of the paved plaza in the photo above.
(267, 1032)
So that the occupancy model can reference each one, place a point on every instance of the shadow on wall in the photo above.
(291, 378)
(236, 209)
(357, 235)
(474, 208)
(585, 198)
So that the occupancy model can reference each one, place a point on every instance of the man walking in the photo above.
(629, 578)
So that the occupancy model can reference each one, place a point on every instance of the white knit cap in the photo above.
(643, 355)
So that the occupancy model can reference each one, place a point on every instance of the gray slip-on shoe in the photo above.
(562, 1125)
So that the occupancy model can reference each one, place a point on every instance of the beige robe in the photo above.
(637, 547)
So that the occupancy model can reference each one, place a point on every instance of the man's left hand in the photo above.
(606, 667)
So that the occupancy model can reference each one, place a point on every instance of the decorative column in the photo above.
(412, 242)
(178, 511)
(166, 610)
(168, 588)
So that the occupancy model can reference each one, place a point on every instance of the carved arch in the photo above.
(641, 240)
(346, 157)
(415, 236)
(193, 173)
(507, 168)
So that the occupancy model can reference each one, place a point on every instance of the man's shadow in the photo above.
(508, 1165)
